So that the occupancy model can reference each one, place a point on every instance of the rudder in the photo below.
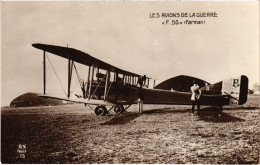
(237, 89)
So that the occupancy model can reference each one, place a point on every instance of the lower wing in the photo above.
(79, 100)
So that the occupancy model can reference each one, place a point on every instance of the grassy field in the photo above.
(162, 134)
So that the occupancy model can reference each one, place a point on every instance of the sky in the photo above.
(124, 34)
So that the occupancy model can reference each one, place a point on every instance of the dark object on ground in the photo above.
(31, 99)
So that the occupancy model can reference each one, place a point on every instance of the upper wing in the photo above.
(81, 57)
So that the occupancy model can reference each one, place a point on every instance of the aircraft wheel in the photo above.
(118, 109)
(100, 110)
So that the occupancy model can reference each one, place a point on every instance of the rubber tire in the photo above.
(118, 109)
(100, 110)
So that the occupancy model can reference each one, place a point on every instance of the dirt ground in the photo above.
(162, 134)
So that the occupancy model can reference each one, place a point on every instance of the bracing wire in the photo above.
(56, 75)
(77, 76)
(81, 81)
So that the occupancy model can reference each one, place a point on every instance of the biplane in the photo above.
(111, 88)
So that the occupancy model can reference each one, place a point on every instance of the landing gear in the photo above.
(118, 109)
(100, 110)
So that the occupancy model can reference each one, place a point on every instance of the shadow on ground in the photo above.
(121, 119)
(215, 115)
(165, 110)
(208, 114)
(241, 108)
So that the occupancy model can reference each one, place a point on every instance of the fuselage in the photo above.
(127, 94)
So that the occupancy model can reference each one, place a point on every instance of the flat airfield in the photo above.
(162, 134)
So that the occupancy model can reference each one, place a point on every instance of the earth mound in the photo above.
(31, 99)
(180, 83)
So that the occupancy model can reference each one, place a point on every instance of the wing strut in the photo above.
(70, 67)
(88, 81)
(44, 72)
(106, 86)
(92, 76)
(116, 86)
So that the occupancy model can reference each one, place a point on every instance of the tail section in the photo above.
(237, 89)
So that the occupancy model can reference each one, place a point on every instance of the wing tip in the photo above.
(36, 45)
